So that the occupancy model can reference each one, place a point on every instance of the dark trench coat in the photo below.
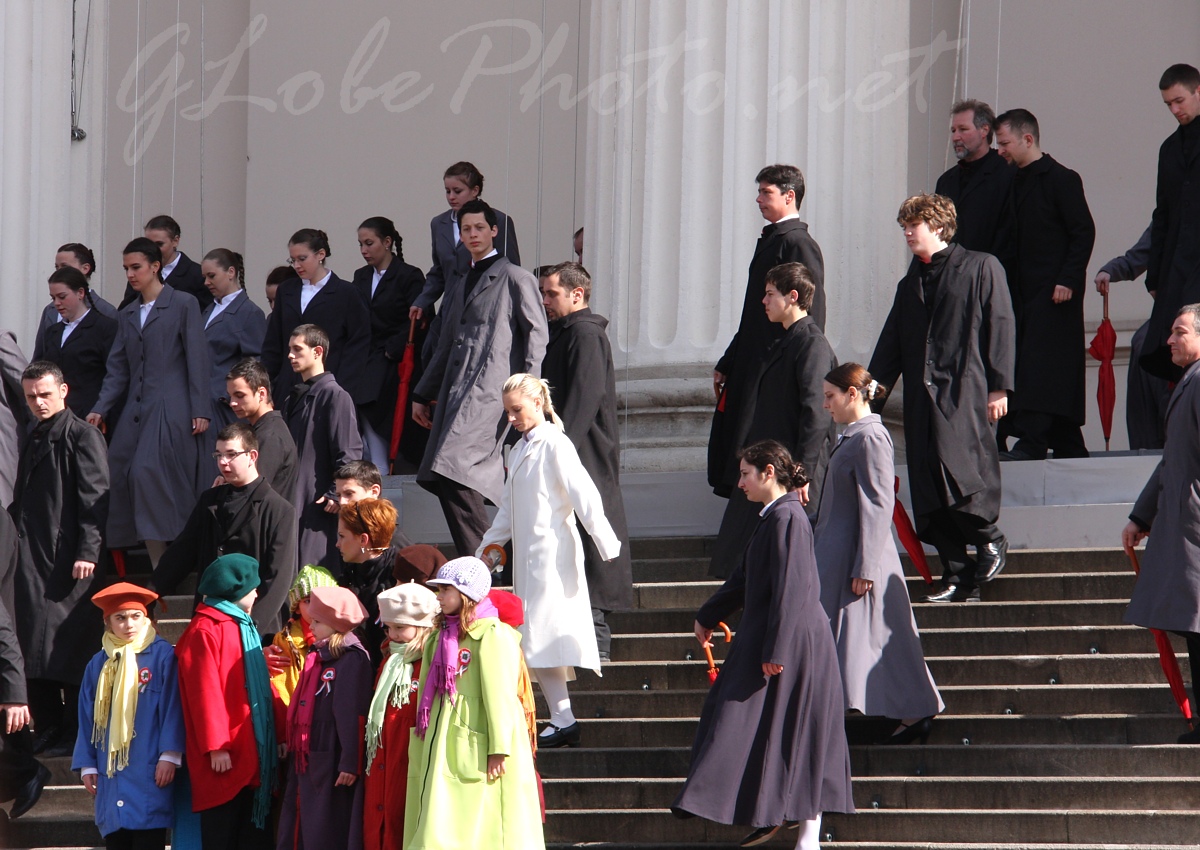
(980, 204)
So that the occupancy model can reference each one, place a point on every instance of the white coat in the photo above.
(547, 488)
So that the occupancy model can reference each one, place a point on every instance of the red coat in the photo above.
(387, 783)
(216, 710)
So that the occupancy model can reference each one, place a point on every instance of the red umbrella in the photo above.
(405, 370)
(1103, 347)
(1166, 657)
(908, 537)
(712, 664)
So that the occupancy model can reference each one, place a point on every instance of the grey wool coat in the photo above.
(879, 648)
(236, 333)
(1167, 593)
(162, 372)
(769, 750)
(499, 330)
(14, 414)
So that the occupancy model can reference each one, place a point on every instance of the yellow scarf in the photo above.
(117, 695)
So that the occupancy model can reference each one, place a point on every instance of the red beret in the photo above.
(123, 596)
(509, 607)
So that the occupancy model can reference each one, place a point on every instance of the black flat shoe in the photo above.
(30, 793)
(954, 593)
(565, 737)
(991, 558)
(760, 836)
(908, 734)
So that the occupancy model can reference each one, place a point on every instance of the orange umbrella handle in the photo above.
(495, 554)
(1137, 568)
(712, 664)
(412, 326)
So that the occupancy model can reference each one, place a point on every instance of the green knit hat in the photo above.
(229, 577)
(310, 576)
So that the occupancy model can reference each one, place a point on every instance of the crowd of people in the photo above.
(322, 692)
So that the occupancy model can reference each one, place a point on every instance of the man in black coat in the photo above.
(60, 509)
(179, 271)
(1173, 273)
(951, 334)
(785, 239)
(788, 405)
(583, 387)
(244, 515)
(248, 387)
(1046, 257)
(980, 181)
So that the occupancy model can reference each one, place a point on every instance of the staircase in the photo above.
(1059, 730)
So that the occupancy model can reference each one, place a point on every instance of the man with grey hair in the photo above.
(979, 182)
(1167, 593)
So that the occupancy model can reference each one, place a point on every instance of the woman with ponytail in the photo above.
(79, 257)
(547, 488)
(771, 746)
(389, 286)
(79, 343)
(233, 326)
(862, 585)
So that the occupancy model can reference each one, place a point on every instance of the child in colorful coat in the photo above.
(471, 780)
(285, 656)
(323, 800)
(131, 735)
(407, 612)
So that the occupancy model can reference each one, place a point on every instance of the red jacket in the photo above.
(387, 783)
(216, 710)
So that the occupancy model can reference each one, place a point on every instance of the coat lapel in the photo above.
(485, 282)
(86, 322)
(1188, 376)
(161, 303)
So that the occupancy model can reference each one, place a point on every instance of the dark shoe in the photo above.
(1016, 454)
(30, 792)
(954, 593)
(1192, 737)
(65, 747)
(47, 739)
(908, 734)
(567, 737)
(760, 836)
(991, 558)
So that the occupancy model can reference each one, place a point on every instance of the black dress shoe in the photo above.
(566, 737)
(991, 558)
(30, 792)
(47, 739)
(1016, 454)
(1191, 737)
(954, 593)
(908, 734)
(760, 836)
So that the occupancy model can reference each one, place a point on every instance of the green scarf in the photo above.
(394, 685)
(258, 689)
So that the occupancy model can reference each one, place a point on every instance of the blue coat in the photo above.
(130, 799)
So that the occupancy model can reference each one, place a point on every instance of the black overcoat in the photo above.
(276, 453)
(1051, 239)
(1173, 273)
(12, 665)
(264, 529)
(84, 358)
(340, 311)
(785, 242)
(50, 318)
(185, 277)
(951, 357)
(583, 386)
(60, 508)
(769, 750)
(980, 203)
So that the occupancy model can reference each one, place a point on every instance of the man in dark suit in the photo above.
(178, 269)
(243, 515)
(1045, 257)
(979, 182)
(248, 387)
(1173, 272)
(785, 239)
(583, 387)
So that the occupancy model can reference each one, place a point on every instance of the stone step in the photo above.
(788, 840)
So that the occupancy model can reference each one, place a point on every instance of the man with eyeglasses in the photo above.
(243, 515)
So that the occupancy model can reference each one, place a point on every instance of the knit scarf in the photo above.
(395, 687)
(444, 670)
(300, 712)
(117, 696)
(258, 691)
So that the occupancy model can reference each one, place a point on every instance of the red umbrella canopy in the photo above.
(1103, 347)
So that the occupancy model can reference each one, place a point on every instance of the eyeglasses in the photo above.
(228, 457)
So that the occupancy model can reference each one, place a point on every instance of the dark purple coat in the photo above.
(770, 750)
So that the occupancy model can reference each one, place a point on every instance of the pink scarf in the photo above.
(444, 669)
(300, 711)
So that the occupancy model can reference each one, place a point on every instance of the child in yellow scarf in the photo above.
(285, 656)
(132, 737)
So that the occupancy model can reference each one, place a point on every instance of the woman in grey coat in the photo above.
(862, 585)
(159, 365)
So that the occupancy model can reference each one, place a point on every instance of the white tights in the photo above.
(810, 834)
(553, 681)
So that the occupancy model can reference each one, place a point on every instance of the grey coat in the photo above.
(879, 649)
(499, 330)
(162, 372)
(1167, 594)
(14, 415)
(236, 333)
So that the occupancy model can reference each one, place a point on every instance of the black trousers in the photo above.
(54, 704)
(229, 826)
(464, 511)
(136, 839)
(17, 764)
(951, 532)
(603, 633)
(1193, 648)
(1039, 433)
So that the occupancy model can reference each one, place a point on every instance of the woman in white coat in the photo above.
(547, 488)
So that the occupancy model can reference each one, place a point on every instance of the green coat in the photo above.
(451, 804)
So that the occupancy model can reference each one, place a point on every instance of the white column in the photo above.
(686, 103)
(50, 187)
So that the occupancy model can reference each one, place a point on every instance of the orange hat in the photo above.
(337, 607)
(123, 596)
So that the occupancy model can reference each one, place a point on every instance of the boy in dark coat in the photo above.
(248, 387)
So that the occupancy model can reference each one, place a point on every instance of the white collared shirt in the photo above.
(308, 290)
(220, 304)
(788, 217)
(170, 267)
(454, 224)
(144, 312)
(769, 505)
(481, 259)
(375, 278)
(70, 326)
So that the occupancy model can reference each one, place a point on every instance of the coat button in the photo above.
(929, 341)
(929, 383)
(135, 420)
(928, 362)
(120, 803)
